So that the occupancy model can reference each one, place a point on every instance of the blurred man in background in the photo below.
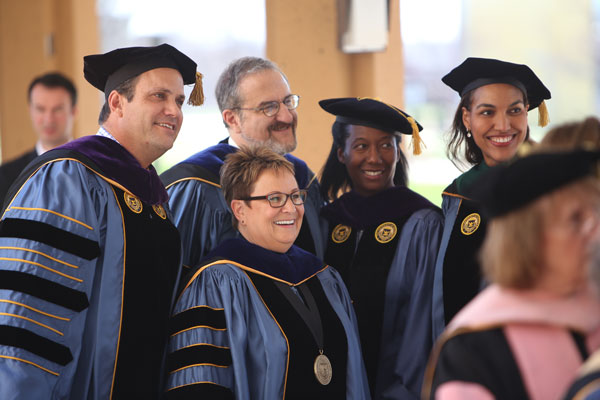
(52, 99)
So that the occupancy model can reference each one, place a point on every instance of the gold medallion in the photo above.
(133, 203)
(323, 370)
(470, 224)
(386, 232)
(159, 210)
(341, 233)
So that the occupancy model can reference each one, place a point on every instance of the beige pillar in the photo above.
(302, 38)
(38, 36)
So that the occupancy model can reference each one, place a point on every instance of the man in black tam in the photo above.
(89, 256)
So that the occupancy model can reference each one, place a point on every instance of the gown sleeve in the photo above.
(201, 216)
(50, 239)
(407, 335)
(209, 338)
(312, 209)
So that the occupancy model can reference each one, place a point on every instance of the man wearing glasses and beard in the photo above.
(257, 106)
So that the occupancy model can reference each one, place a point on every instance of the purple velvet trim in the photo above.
(293, 266)
(119, 165)
(362, 212)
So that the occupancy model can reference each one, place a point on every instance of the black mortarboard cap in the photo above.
(109, 70)
(476, 72)
(366, 111)
(508, 187)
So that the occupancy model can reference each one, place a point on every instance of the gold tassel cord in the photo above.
(197, 95)
(543, 117)
(417, 142)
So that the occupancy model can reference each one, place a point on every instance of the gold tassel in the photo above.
(197, 95)
(543, 118)
(417, 142)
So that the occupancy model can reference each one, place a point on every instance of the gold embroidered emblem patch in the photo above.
(133, 203)
(386, 232)
(470, 224)
(341, 233)
(160, 211)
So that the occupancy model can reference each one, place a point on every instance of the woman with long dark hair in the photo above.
(383, 239)
(489, 126)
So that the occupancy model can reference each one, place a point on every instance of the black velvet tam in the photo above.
(107, 71)
(508, 187)
(370, 112)
(476, 72)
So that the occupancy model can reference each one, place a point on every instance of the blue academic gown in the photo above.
(385, 248)
(202, 215)
(88, 268)
(233, 335)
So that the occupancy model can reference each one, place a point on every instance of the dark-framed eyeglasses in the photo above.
(271, 108)
(278, 199)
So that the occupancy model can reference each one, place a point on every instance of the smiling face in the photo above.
(370, 156)
(148, 125)
(274, 229)
(249, 127)
(497, 120)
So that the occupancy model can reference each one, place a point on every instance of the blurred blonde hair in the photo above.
(511, 255)
(574, 135)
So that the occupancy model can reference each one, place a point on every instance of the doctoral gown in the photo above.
(88, 267)
(514, 344)
(234, 334)
(458, 276)
(587, 384)
(385, 248)
(202, 215)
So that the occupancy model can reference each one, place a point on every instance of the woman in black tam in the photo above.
(383, 239)
(489, 126)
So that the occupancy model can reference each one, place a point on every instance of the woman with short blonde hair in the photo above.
(260, 318)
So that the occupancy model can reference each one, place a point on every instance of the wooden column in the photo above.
(303, 39)
(38, 36)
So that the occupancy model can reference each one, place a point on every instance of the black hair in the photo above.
(334, 175)
(54, 80)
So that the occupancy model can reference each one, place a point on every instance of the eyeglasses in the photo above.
(271, 108)
(278, 199)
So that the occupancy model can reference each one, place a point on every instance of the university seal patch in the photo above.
(133, 203)
(386, 232)
(160, 211)
(340, 233)
(470, 224)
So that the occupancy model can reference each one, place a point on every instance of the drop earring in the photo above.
(468, 133)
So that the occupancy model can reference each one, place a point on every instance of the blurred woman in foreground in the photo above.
(527, 333)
